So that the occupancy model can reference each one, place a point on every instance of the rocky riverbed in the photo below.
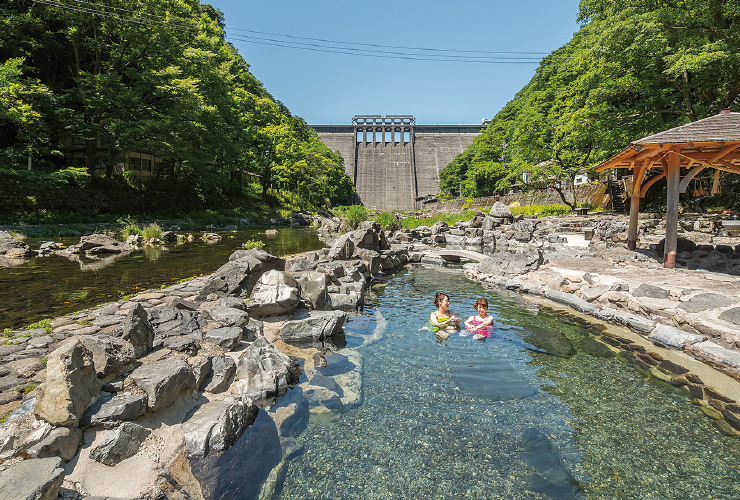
(117, 400)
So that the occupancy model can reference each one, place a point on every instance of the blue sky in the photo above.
(329, 88)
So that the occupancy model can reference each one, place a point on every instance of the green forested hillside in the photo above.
(108, 77)
(635, 67)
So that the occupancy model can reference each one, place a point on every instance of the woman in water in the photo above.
(482, 324)
(442, 320)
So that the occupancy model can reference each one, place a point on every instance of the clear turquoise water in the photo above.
(499, 418)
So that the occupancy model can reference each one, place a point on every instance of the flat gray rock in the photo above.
(505, 263)
(709, 351)
(168, 321)
(731, 315)
(34, 479)
(571, 300)
(228, 316)
(673, 338)
(651, 291)
(227, 337)
(637, 322)
(180, 343)
(121, 407)
(61, 442)
(591, 293)
(313, 325)
(705, 301)
(120, 444)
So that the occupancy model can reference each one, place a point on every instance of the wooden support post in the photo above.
(638, 171)
(673, 177)
(715, 184)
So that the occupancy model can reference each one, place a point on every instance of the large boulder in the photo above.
(70, 384)
(111, 355)
(342, 248)
(35, 479)
(138, 331)
(263, 371)
(238, 276)
(504, 263)
(313, 325)
(524, 229)
(276, 292)
(120, 443)
(371, 258)
(15, 249)
(312, 286)
(97, 244)
(164, 381)
(500, 210)
(217, 425)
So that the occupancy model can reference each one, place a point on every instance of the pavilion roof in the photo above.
(713, 141)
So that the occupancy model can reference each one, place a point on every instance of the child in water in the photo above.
(442, 320)
(481, 324)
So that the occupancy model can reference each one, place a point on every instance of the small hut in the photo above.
(678, 155)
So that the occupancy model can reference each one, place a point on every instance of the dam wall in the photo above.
(392, 161)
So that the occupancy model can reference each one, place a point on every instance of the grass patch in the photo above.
(543, 210)
(44, 323)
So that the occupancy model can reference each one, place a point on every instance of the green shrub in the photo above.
(130, 227)
(355, 215)
(388, 221)
(153, 230)
(253, 244)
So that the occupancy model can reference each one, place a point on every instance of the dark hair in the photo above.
(438, 298)
(481, 302)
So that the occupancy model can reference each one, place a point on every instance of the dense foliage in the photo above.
(82, 83)
(636, 67)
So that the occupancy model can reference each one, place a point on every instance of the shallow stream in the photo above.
(541, 410)
(53, 286)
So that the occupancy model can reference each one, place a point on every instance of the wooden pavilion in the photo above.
(712, 143)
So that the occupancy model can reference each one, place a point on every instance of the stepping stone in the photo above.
(705, 301)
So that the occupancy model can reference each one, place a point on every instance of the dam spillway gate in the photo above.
(393, 162)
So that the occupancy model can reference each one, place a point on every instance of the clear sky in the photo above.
(391, 79)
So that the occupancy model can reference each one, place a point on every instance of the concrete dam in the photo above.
(393, 162)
